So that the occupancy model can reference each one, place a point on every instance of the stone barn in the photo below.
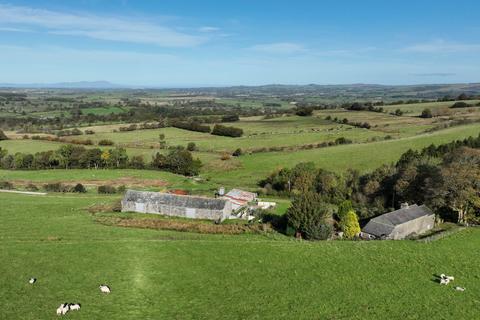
(399, 224)
(176, 205)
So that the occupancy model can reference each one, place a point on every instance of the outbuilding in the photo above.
(400, 224)
(176, 205)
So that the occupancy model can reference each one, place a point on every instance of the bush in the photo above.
(3, 136)
(230, 118)
(349, 225)
(55, 187)
(220, 130)
(106, 189)
(426, 113)
(310, 216)
(105, 142)
(192, 126)
(177, 161)
(191, 146)
(31, 187)
(225, 156)
(237, 153)
(304, 111)
(79, 188)
(460, 104)
(7, 185)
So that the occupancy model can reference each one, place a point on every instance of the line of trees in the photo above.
(445, 177)
(178, 160)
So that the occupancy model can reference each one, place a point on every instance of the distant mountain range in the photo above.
(67, 85)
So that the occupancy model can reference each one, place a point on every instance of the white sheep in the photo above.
(32, 280)
(74, 306)
(443, 276)
(459, 288)
(450, 278)
(62, 309)
(444, 281)
(104, 288)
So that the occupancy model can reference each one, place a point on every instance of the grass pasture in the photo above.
(171, 275)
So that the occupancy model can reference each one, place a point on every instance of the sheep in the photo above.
(450, 278)
(443, 276)
(459, 288)
(32, 280)
(74, 306)
(62, 309)
(104, 288)
(444, 281)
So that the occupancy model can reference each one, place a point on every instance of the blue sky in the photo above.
(249, 42)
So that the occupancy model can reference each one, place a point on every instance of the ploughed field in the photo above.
(172, 275)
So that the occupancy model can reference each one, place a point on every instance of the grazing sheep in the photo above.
(459, 288)
(444, 281)
(450, 278)
(62, 309)
(443, 276)
(104, 288)
(32, 280)
(74, 306)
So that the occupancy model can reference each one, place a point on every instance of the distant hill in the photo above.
(67, 85)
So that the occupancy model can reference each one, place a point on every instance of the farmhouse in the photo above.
(176, 205)
(399, 224)
(240, 198)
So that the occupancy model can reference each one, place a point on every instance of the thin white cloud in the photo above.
(10, 29)
(207, 29)
(442, 46)
(279, 48)
(109, 28)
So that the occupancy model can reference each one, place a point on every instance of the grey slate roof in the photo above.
(384, 224)
(175, 200)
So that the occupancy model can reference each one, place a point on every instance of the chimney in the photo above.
(221, 191)
(404, 205)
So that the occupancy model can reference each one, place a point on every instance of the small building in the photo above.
(399, 224)
(176, 205)
(240, 198)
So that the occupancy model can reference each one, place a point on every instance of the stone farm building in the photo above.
(240, 198)
(399, 224)
(176, 205)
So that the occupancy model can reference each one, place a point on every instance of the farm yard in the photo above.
(165, 274)
(175, 268)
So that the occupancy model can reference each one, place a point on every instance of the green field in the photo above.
(169, 275)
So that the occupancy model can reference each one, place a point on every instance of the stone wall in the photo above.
(417, 226)
(149, 202)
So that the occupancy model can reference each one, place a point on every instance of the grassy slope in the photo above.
(363, 157)
(247, 170)
(167, 275)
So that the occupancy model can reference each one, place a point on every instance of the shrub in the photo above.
(177, 161)
(121, 189)
(192, 126)
(225, 156)
(3, 136)
(7, 185)
(106, 189)
(79, 188)
(237, 153)
(304, 111)
(31, 187)
(230, 118)
(460, 104)
(220, 130)
(55, 187)
(105, 142)
(426, 113)
(191, 146)
(309, 216)
(349, 225)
